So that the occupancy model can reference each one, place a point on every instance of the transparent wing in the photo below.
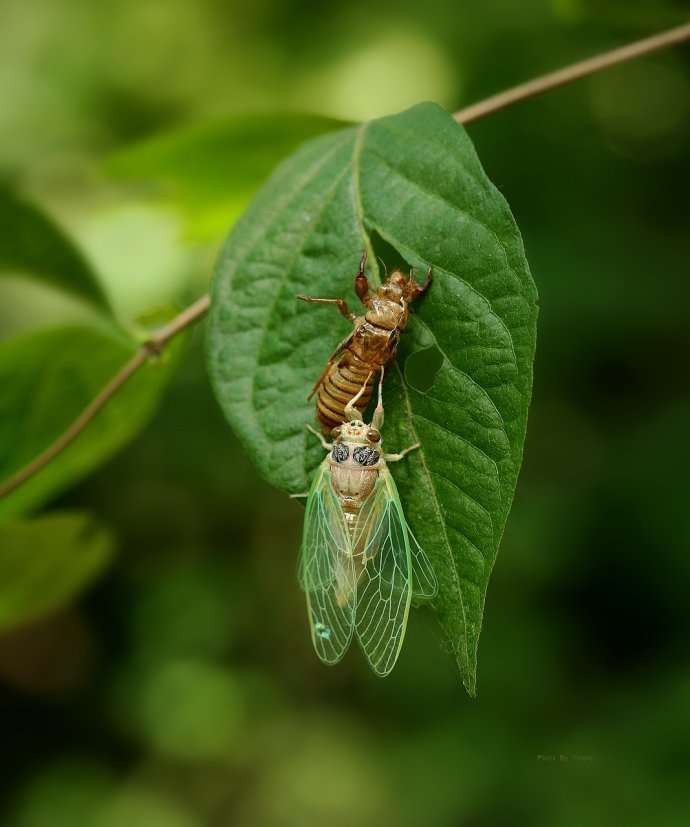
(384, 586)
(326, 571)
(424, 583)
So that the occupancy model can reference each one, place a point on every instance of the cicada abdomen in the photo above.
(339, 384)
(370, 346)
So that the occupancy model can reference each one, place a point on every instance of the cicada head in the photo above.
(353, 432)
(393, 288)
(356, 432)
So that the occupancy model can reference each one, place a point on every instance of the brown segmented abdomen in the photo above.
(342, 382)
(370, 348)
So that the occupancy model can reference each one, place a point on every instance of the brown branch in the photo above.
(570, 73)
(153, 346)
(196, 311)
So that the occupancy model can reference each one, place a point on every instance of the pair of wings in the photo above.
(361, 582)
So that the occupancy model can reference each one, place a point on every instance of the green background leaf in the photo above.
(212, 170)
(45, 562)
(49, 375)
(32, 245)
(413, 183)
(48, 378)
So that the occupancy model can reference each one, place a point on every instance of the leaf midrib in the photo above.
(359, 213)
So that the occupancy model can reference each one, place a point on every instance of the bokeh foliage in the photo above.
(181, 689)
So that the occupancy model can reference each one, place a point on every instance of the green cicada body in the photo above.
(360, 565)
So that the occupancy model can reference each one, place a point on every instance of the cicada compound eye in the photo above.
(373, 435)
(335, 432)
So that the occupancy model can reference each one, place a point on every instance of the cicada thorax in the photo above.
(355, 472)
(353, 484)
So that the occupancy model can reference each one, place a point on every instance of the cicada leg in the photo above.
(403, 453)
(351, 411)
(413, 290)
(377, 423)
(326, 445)
(361, 281)
(341, 304)
(377, 419)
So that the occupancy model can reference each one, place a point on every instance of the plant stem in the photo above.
(152, 347)
(598, 63)
(195, 312)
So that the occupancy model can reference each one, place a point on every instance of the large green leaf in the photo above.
(45, 562)
(47, 379)
(413, 179)
(32, 245)
(213, 169)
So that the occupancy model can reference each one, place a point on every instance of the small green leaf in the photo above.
(413, 180)
(48, 378)
(212, 170)
(31, 245)
(46, 562)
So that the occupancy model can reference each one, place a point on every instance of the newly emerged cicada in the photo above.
(360, 565)
(370, 346)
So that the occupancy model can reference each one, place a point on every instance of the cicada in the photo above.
(360, 565)
(370, 346)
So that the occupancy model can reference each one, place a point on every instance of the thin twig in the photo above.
(187, 317)
(198, 310)
(570, 73)
(153, 346)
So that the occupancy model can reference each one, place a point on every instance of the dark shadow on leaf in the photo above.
(387, 256)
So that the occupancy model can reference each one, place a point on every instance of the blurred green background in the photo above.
(180, 689)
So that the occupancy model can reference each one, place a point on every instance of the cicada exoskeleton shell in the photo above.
(371, 346)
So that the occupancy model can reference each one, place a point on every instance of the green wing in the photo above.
(384, 589)
(326, 570)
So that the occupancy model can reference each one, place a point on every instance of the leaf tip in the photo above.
(470, 684)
